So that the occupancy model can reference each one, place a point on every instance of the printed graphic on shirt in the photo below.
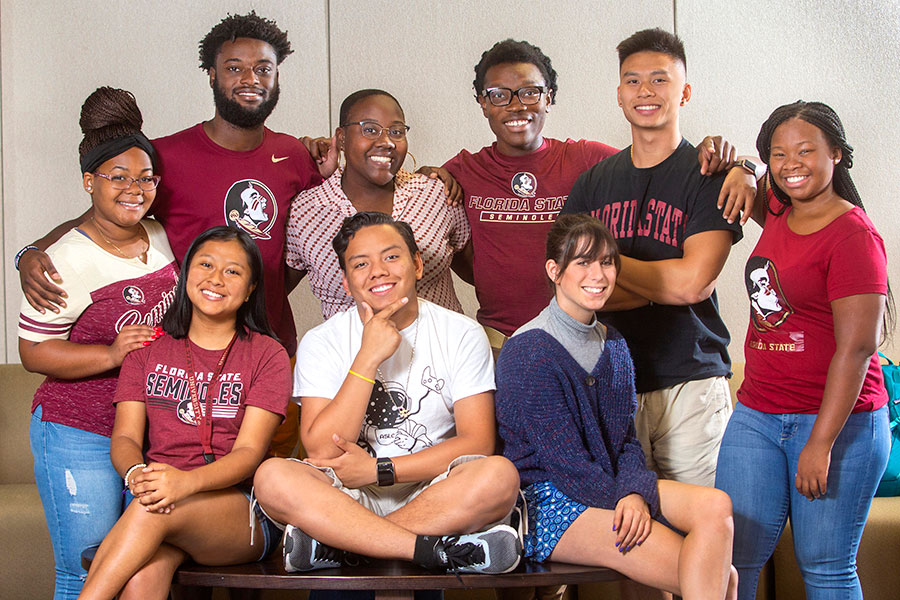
(167, 388)
(133, 295)
(251, 206)
(770, 307)
(524, 184)
(660, 221)
(389, 416)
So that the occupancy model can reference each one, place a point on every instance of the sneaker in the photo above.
(518, 517)
(303, 553)
(496, 550)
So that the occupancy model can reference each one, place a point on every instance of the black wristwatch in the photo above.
(747, 165)
(385, 467)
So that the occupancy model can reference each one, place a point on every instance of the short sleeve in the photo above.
(37, 327)
(271, 385)
(131, 385)
(473, 371)
(319, 371)
(460, 232)
(293, 247)
(857, 265)
(704, 213)
(595, 152)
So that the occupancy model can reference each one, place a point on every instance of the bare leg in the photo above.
(326, 513)
(152, 581)
(210, 527)
(474, 495)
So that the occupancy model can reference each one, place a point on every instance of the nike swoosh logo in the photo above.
(278, 160)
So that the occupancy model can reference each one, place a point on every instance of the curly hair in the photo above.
(251, 26)
(108, 113)
(511, 51)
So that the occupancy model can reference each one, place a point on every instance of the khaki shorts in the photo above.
(680, 428)
(384, 500)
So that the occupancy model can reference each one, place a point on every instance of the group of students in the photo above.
(168, 352)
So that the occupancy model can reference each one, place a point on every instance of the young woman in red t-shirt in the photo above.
(809, 438)
(190, 487)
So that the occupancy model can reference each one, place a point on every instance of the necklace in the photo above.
(412, 355)
(119, 250)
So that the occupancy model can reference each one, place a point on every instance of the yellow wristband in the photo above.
(363, 377)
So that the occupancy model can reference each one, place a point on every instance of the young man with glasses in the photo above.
(230, 168)
(674, 243)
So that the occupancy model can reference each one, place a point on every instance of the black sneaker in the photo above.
(496, 550)
(303, 553)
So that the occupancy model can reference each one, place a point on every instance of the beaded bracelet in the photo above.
(21, 253)
(130, 470)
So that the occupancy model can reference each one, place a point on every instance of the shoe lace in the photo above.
(328, 553)
(461, 555)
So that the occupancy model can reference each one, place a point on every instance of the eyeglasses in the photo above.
(530, 94)
(147, 183)
(373, 130)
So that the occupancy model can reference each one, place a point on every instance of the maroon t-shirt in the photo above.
(257, 373)
(204, 184)
(791, 280)
(511, 203)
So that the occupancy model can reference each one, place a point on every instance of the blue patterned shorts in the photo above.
(550, 512)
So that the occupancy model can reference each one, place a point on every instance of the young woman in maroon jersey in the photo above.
(208, 399)
(120, 275)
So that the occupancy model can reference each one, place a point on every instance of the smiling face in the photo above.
(219, 280)
(651, 90)
(379, 269)
(517, 126)
(245, 82)
(802, 160)
(372, 161)
(122, 208)
(584, 285)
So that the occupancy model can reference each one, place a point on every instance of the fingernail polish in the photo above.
(146, 343)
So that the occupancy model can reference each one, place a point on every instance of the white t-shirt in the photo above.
(410, 408)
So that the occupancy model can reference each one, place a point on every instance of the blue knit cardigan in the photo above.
(560, 423)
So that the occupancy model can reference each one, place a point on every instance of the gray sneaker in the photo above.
(496, 550)
(303, 553)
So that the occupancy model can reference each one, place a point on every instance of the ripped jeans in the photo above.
(80, 491)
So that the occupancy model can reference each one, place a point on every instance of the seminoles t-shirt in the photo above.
(106, 293)
(256, 373)
(791, 280)
(511, 203)
(204, 185)
(650, 212)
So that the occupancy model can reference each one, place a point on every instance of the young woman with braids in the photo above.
(120, 275)
(809, 438)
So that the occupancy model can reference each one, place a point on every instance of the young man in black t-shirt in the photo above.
(674, 242)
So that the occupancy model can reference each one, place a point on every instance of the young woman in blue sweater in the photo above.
(565, 407)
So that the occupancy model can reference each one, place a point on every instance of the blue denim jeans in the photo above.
(757, 466)
(80, 491)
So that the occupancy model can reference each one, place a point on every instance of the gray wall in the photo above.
(744, 59)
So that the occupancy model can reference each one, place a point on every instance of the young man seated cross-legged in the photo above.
(397, 415)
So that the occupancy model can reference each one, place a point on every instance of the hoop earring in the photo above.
(415, 163)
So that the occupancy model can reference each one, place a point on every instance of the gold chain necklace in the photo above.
(119, 250)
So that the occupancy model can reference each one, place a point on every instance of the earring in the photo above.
(342, 161)
(837, 161)
(89, 188)
(415, 164)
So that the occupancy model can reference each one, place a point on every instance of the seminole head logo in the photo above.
(524, 184)
(770, 307)
(250, 205)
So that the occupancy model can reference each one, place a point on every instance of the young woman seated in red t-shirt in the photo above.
(191, 496)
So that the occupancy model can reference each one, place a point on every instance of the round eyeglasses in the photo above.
(373, 130)
(147, 183)
(529, 94)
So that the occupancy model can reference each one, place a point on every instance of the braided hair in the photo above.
(251, 26)
(511, 51)
(822, 116)
(107, 114)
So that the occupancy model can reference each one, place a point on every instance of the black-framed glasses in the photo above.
(147, 183)
(373, 130)
(529, 94)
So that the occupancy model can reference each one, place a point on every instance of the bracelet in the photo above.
(363, 377)
(384, 468)
(21, 253)
(130, 470)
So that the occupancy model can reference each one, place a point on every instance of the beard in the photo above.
(239, 116)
